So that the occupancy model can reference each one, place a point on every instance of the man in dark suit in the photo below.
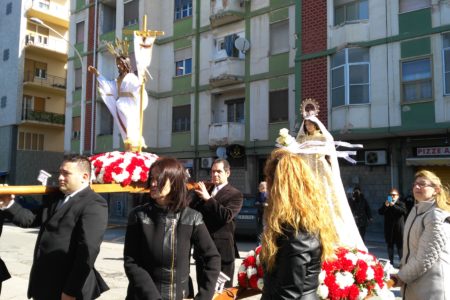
(4, 274)
(219, 206)
(71, 231)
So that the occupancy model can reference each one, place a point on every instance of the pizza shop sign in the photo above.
(433, 151)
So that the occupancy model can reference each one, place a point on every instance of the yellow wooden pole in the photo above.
(98, 188)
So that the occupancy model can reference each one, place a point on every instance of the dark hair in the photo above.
(315, 126)
(171, 169)
(126, 62)
(83, 163)
(226, 164)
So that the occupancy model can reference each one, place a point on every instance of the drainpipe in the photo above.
(93, 92)
(196, 85)
(298, 62)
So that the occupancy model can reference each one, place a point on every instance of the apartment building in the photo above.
(381, 69)
(33, 62)
(222, 80)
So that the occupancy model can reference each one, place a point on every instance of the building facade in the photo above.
(222, 80)
(34, 47)
(387, 85)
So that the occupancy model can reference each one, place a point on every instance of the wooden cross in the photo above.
(144, 32)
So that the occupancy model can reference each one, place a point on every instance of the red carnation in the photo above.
(353, 292)
(253, 282)
(242, 279)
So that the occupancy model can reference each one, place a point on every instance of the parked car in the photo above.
(247, 219)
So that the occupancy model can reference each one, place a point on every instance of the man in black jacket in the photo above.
(219, 206)
(69, 238)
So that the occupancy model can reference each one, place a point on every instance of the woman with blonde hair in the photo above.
(299, 232)
(425, 265)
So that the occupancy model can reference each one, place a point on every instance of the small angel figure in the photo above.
(122, 96)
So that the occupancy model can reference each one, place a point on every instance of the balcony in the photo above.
(228, 133)
(31, 116)
(49, 12)
(227, 71)
(46, 45)
(226, 11)
(48, 82)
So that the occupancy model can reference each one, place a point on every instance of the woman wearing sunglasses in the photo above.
(425, 267)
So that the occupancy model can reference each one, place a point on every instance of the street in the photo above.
(17, 244)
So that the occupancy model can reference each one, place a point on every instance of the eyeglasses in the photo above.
(422, 184)
(393, 195)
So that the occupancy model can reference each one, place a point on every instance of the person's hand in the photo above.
(386, 203)
(202, 192)
(397, 281)
(93, 70)
(5, 199)
(67, 297)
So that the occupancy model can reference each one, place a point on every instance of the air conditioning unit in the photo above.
(375, 157)
(206, 162)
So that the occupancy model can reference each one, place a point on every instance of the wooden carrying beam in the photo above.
(98, 188)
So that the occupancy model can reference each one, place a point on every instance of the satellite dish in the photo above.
(221, 152)
(242, 44)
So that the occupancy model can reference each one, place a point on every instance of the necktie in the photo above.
(214, 192)
(61, 202)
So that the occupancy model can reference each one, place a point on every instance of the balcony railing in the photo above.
(43, 116)
(47, 81)
(228, 133)
(227, 71)
(226, 11)
(46, 42)
(51, 8)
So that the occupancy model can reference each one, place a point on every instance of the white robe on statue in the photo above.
(124, 105)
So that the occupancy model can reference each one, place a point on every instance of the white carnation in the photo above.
(260, 283)
(251, 271)
(362, 293)
(322, 276)
(351, 256)
(370, 274)
(322, 291)
(344, 279)
(242, 269)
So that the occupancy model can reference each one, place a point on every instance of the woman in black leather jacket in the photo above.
(159, 238)
(299, 232)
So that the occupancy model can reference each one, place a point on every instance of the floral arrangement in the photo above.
(355, 274)
(250, 273)
(121, 167)
(285, 139)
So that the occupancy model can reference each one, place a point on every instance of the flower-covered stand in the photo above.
(112, 172)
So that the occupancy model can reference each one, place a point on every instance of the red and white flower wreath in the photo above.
(250, 273)
(122, 167)
(355, 274)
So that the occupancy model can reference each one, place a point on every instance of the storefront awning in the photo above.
(428, 161)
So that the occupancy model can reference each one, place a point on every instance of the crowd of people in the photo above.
(303, 219)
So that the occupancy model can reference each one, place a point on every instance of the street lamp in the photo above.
(83, 69)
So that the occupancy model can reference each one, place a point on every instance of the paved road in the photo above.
(17, 244)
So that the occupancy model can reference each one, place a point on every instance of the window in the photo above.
(350, 79)
(8, 8)
(411, 5)
(40, 70)
(5, 54)
(416, 80)
(80, 32)
(446, 58)
(76, 125)
(45, 4)
(235, 110)
(349, 11)
(78, 78)
(109, 19)
(278, 106)
(106, 120)
(225, 47)
(279, 37)
(131, 13)
(181, 118)
(30, 141)
(183, 9)
(3, 102)
(183, 61)
(183, 67)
